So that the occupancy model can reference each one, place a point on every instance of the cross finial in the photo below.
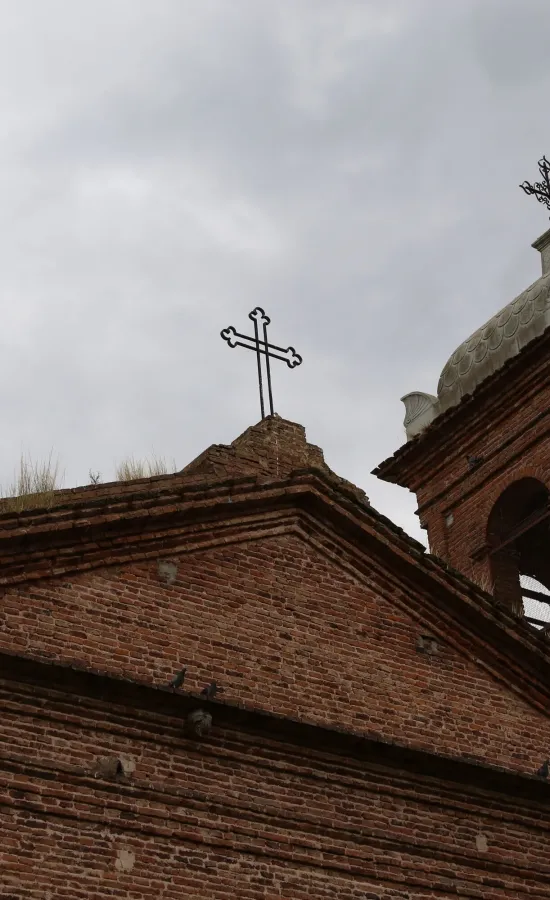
(541, 189)
(235, 339)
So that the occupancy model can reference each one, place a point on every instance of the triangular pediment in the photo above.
(290, 620)
(193, 514)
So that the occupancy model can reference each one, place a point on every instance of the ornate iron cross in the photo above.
(541, 189)
(234, 339)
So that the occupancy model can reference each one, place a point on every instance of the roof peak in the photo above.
(274, 446)
(273, 449)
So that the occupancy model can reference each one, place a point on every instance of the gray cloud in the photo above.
(170, 164)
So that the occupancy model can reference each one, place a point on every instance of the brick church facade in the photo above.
(385, 708)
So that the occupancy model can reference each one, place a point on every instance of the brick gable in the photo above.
(345, 759)
(286, 628)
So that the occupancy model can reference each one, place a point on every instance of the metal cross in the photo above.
(234, 339)
(541, 189)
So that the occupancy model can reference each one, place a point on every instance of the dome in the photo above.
(501, 338)
(486, 350)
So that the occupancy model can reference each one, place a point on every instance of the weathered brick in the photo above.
(342, 762)
(506, 423)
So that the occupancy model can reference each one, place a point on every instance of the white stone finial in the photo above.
(420, 410)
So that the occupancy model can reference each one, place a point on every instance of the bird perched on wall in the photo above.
(211, 690)
(543, 771)
(178, 680)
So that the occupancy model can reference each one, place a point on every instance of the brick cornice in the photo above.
(451, 433)
(510, 449)
(453, 609)
(143, 525)
(108, 530)
(137, 698)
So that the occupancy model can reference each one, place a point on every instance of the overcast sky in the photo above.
(167, 165)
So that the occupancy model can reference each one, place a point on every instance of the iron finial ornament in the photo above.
(261, 346)
(541, 189)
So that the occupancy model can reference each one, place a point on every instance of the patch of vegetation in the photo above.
(33, 486)
(131, 468)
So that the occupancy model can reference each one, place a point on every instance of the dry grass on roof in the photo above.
(34, 485)
(131, 468)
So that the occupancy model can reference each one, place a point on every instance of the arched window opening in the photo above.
(519, 548)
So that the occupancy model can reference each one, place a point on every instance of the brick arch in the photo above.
(518, 538)
(494, 492)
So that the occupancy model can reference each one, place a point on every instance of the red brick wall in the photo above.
(284, 628)
(287, 624)
(231, 817)
(516, 448)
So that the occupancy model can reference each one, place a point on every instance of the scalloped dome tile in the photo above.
(447, 379)
(488, 330)
(480, 352)
(511, 327)
(519, 303)
(496, 339)
(473, 342)
(459, 354)
(527, 313)
(503, 316)
(491, 346)
(464, 365)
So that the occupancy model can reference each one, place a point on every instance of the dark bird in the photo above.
(543, 771)
(211, 690)
(178, 680)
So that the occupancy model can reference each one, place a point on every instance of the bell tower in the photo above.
(477, 455)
